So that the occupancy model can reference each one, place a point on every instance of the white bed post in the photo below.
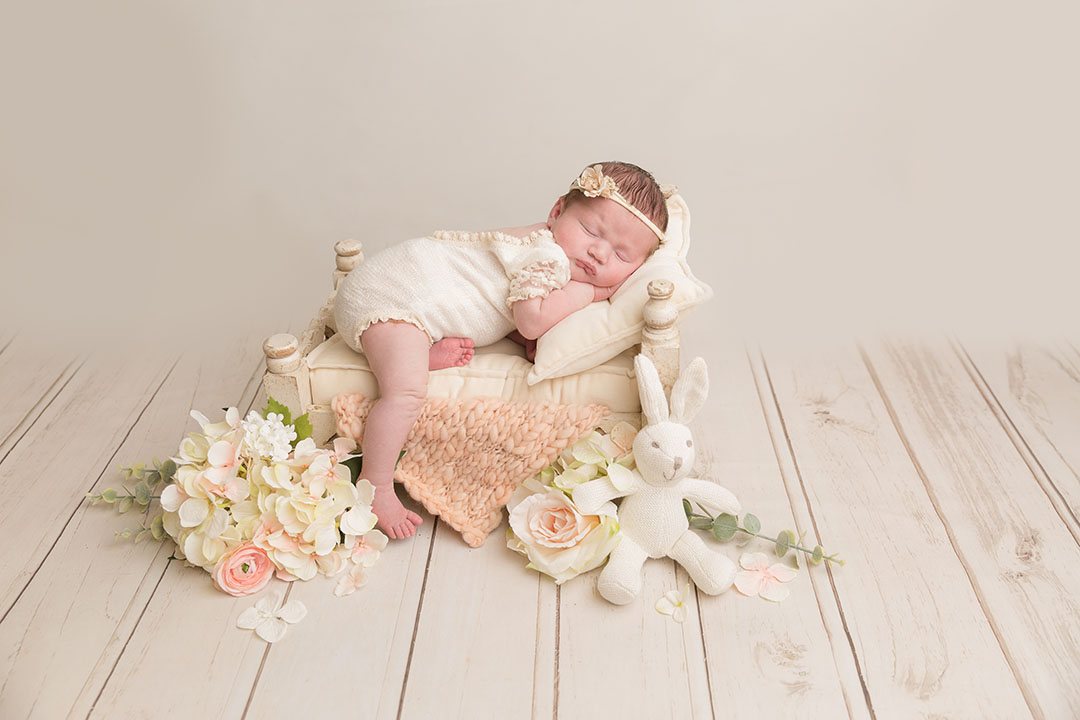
(660, 336)
(286, 378)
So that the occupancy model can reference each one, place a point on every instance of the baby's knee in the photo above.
(408, 397)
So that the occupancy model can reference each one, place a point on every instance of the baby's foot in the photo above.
(395, 519)
(450, 352)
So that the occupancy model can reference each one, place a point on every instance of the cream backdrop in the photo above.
(170, 171)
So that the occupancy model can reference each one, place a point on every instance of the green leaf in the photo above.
(355, 464)
(157, 527)
(724, 527)
(125, 504)
(687, 508)
(751, 524)
(138, 469)
(143, 535)
(273, 406)
(817, 556)
(783, 542)
(142, 493)
(167, 470)
(302, 427)
(400, 455)
(108, 495)
(701, 523)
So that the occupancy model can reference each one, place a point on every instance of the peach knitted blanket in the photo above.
(464, 459)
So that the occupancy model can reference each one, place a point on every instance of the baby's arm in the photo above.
(537, 315)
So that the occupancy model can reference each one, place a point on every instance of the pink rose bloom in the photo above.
(243, 570)
(550, 520)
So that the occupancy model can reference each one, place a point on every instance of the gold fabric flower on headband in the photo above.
(594, 183)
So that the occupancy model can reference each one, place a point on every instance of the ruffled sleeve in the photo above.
(535, 267)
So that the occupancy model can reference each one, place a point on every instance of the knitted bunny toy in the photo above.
(652, 519)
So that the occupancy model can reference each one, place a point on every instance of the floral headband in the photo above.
(594, 183)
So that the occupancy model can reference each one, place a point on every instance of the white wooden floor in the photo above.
(946, 473)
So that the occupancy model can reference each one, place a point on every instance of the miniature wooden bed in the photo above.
(306, 374)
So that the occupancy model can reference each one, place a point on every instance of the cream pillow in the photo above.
(601, 331)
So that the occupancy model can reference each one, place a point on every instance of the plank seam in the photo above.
(83, 501)
(416, 622)
(7, 344)
(134, 627)
(704, 652)
(948, 529)
(40, 412)
(262, 663)
(817, 533)
(1042, 477)
(558, 639)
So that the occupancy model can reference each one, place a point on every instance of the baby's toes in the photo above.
(414, 518)
(468, 343)
(406, 529)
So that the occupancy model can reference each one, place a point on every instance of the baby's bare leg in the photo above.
(398, 355)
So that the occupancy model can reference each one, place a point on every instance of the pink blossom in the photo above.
(758, 577)
(243, 570)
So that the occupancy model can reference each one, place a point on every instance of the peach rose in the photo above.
(243, 570)
(550, 520)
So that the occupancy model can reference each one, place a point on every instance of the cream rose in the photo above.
(243, 570)
(550, 519)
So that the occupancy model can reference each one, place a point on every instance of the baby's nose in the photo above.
(600, 252)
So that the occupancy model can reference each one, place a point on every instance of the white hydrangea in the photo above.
(268, 437)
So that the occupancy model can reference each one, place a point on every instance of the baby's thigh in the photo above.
(398, 355)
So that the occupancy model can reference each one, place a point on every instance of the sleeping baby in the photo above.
(424, 304)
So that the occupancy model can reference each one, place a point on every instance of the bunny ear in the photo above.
(653, 401)
(691, 389)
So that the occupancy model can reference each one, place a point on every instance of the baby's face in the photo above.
(604, 241)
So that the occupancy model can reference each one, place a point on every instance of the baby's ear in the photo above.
(653, 401)
(690, 390)
(557, 208)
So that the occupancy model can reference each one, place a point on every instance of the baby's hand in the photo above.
(603, 293)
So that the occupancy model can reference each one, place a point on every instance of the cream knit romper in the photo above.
(451, 284)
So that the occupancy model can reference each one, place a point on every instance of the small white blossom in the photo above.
(268, 437)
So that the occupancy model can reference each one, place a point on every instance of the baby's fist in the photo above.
(603, 293)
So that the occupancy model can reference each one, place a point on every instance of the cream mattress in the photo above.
(498, 370)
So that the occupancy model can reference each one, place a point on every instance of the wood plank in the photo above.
(630, 660)
(923, 644)
(1035, 392)
(30, 379)
(1020, 555)
(778, 657)
(68, 634)
(67, 449)
(476, 639)
(368, 635)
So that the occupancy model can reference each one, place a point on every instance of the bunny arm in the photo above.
(588, 497)
(712, 496)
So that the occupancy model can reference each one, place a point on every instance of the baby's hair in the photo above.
(638, 186)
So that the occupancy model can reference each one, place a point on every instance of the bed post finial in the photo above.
(660, 336)
(348, 256)
(285, 379)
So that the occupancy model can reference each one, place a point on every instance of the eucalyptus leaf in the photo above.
(751, 523)
(157, 527)
(125, 504)
(143, 535)
(273, 406)
(700, 523)
(142, 493)
(817, 556)
(783, 542)
(724, 527)
(108, 495)
(167, 470)
(687, 508)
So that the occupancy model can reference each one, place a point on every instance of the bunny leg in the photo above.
(711, 571)
(620, 582)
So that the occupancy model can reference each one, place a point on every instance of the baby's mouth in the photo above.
(586, 267)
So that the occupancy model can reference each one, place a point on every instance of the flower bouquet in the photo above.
(547, 527)
(254, 498)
